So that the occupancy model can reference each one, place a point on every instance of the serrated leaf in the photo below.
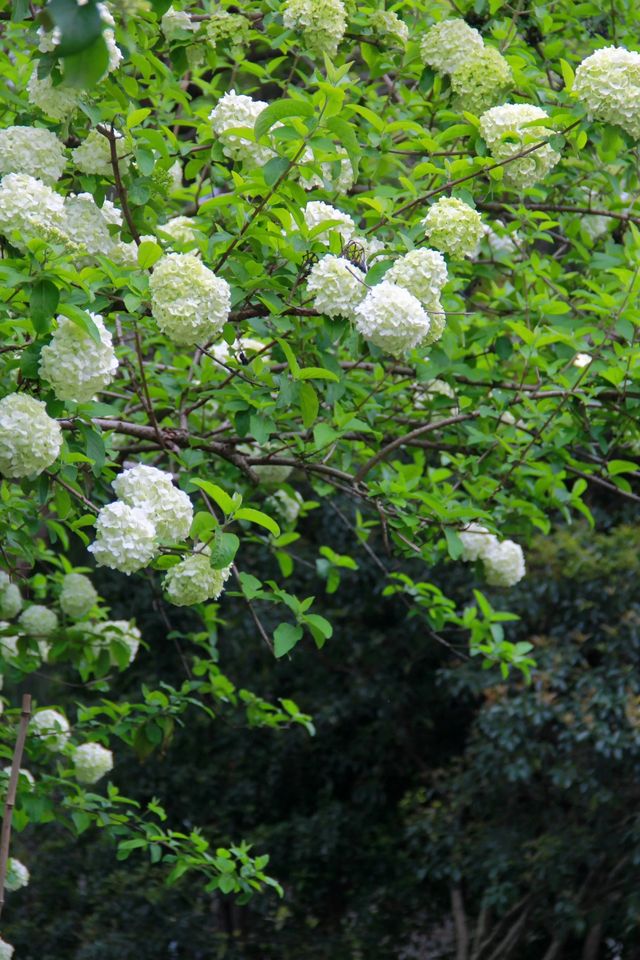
(278, 111)
(224, 547)
(256, 516)
(285, 637)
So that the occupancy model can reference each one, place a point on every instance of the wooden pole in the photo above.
(10, 802)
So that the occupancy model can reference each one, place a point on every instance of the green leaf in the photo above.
(294, 366)
(81, 318)
(251, 586)
(137, 116)
(256, 516)
(217, 494)
(278, 111)
(319, 627)
(318, 373)
(567, 75)
(285, 637)
(20, 10)
(454, 543)
(223, 549)
(309, 404)
(88, 67)
(43, 301)
(149, 253)
(347, 138)
(79, 26)
(621, 466)
(273, 169)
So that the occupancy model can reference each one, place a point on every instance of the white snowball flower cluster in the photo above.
(75, 366)
(422, 272)
(94, 154)
(608, 84)
(511, 120)
(269, 474)
(10, 600)
(6, 950)
(78, 596)
(338, 286)
(115, 53)
(91, 762)
(285, 505)
(449, 44)
(482, 80)
(86, 225)
(503, 562)
(30, 439)
(189, 302)
(152, 490)
(8, 644)
(316, 212)
(453, 227)
(193, 580)
(38, 621)
(25, 778)
(174, 22)
(51, 727)
(388, 23)
(340, 183)
(424, 396)
(392, 318)
(235, 110)
(106, 632)
(32, 150)
(321, 22)
(57, 102)
(29, 209)
(17, 875)
(580, 360)
(180, 229)
(126, 538)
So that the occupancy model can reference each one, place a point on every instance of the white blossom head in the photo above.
(477, 542)
(175, 23)
(78, 596)
(504, 564)
(194, 580)
(94, 154)
(388, 24)
(316, 212)
(86, 225)
(75, 366)
(56, 102)
(453, 227)
(392, 318)
(6, 950)
(322, 23)
(337, 285)
(51, 728)
(448, 44)
(38, 621)
(126, 538)
(232, 111)
(180, 229)
(30, 439)
(482, 80)
(30, 210)
(10, 601)
(91, 762)
(153, 491)
(105, 633)
(189, 302)
(285, 505)
(506, 133)
(582, 360)
(422, 272)
(340, 183)
(32, 150)
(17, 875)
(608, 84)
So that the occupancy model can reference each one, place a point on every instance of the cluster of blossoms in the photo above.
(321, 22)
(392, 318)
(388, 23)
(51, 727)
(194, 580)
(503, 562)
(78, 596)
(6, 950)
(105, 633)
(608, 84)
(91, 762)
(94, 154)
(181, 230)
(453, 227)
(176, 23)
(17, 875)
(38, 621)
(507, 132)
(30, 439)
(150, 511)
(10, 597)
(340, 183)
(285, 505)
(338, 286)
(224, 27)
(75, 366)
(32, 150)
(232, 111)
(317, 213)
(189, 302)
(423, 273)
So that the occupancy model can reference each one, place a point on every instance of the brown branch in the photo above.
(460, 923)
(558, 208)
(10, 802)
(109, 133)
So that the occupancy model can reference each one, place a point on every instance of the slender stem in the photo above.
(10, 802)
(109, 133)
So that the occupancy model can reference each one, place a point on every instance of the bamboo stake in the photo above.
(10, 802)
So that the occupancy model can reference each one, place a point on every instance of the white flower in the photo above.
(476, 541)
(341, 183)
(29, 209)
(174, 22)
(608, 84)
(194, 580)
(482, 80)
(126, 538)
(510, 120)
(223, 351)
(17, 875)
(5, 580)
(582, 360)
(453, 227)
(57, 102)
(38, 621)
(30, 439)
(48, 40)
(447, 45)
(76, 366)
(235, 110)
(153, 491)
(180, 229)
(94, 154)
(91, 762)
(338, 286)
(316, 212)
(107, 632)
(425, 394)
(31, 150)
(51, 728)
(269, 474)
(175, 172)
(8, 645)
(287, 506)
(387, 22)
(86, 225)
(392, 318)
(437, 322)
(25, 780)
(115, 54)
(6, 950)
(189, 302)
(422, 272)
(10, 601)
(322, 23)
(500, 244)
(504, 564)
(77, 596)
